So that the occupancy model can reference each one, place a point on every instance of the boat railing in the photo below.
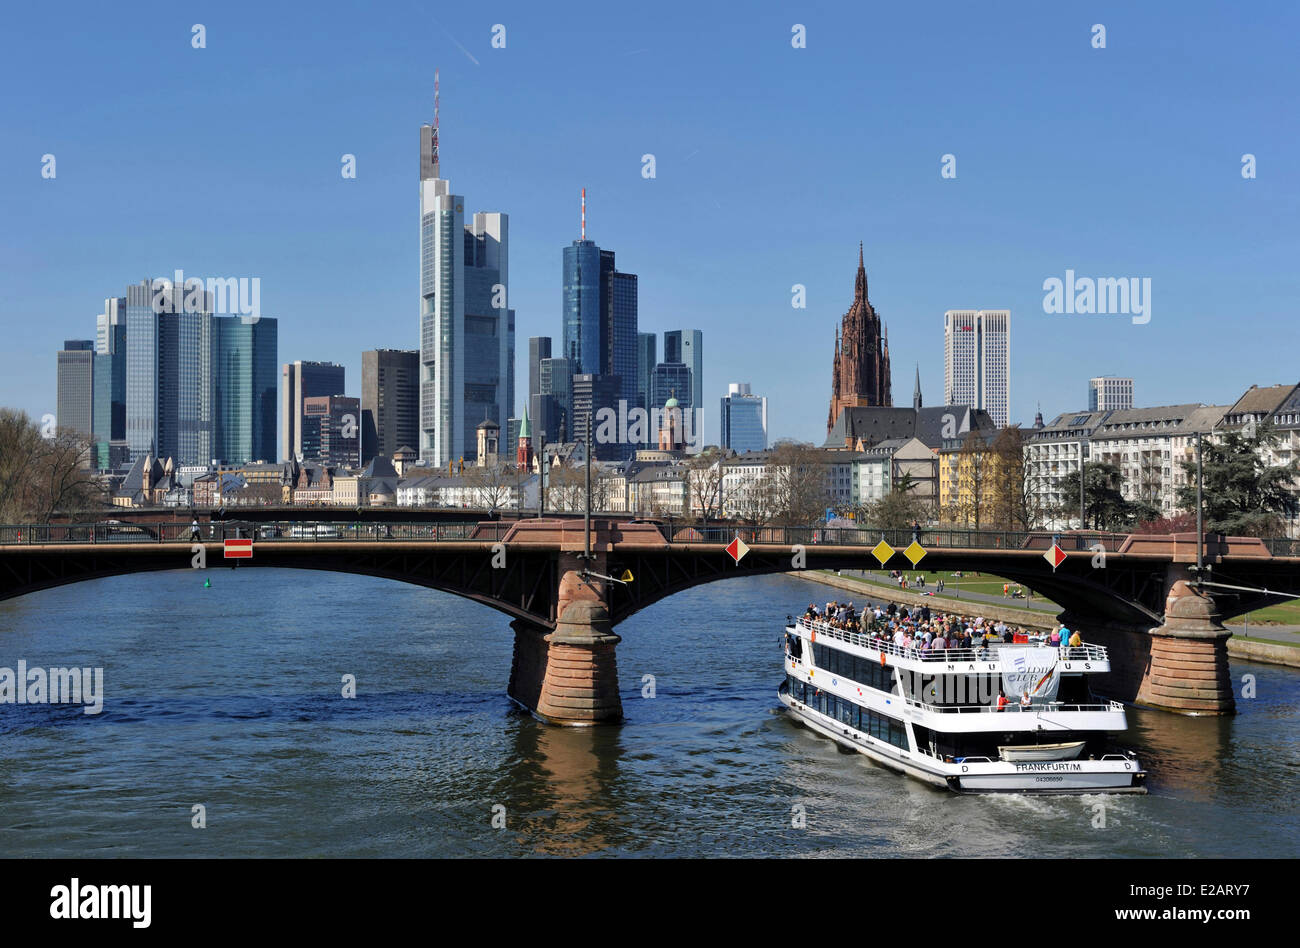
(980, 653)
(1040, 707)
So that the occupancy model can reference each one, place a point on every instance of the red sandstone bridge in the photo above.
(1138, 595)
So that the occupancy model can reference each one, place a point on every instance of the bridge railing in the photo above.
(868, 537)
(721, 534)
(219, 531)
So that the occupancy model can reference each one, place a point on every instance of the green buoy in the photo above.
(207, 584)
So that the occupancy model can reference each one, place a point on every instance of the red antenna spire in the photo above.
(584, 213)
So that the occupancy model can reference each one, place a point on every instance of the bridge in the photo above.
(1138, 595)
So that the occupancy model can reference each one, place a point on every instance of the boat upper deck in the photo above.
(1095, 656)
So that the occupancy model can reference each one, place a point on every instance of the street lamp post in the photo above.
(1083, 506)
(1200, 511)
(541, 478)
(586, 517)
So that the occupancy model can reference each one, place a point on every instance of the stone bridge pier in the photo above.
(569, 676)
(1180, 665)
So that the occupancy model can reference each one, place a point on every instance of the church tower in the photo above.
(860, 372)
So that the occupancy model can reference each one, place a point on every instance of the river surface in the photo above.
(229, 697)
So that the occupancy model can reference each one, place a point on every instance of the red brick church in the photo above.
(860, 375)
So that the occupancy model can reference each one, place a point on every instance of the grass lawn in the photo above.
(1287, 613)
(954, 585)
(985, 583)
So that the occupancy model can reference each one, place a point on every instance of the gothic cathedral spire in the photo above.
(860, 372)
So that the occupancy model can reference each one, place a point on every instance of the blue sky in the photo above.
(772, 163)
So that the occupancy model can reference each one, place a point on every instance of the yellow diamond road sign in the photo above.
(883, 551)
(914, 552)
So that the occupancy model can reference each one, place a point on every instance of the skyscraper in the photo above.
(977, 356)
(199, 387)
(467, 330)
(600, 319)
(687, 346)
(591, 393)
(539, 348)
(744, 419)
(243, 361)
(169, 408)
(552, 411)
(110, 379)
(390, 401)
(1110, 393)
(860, 372)
(76, 387)
(300, 381)
(330, 430)
(671, 380)
(647, 357)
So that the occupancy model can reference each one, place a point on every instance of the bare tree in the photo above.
(753, 499)
(490, 484)
(972, 478)
(44, 476)
(1008, 481)
(797, 482)
(705, 484)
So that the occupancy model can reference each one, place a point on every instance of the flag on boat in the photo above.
(1030, 669)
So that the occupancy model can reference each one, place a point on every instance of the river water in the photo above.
(229, 697)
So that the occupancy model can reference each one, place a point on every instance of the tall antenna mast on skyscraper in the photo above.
(435, 124)
(584, 213)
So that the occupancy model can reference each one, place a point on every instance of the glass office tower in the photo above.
(110, 380)
(76, 389)
(168, 372)
(244, 364)
(582, 308)
(687, 346)
(199, 388)
(467, 330)
(744, 419)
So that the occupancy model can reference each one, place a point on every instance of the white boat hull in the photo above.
(1116, 775)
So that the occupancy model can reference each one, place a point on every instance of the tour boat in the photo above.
(935, 715)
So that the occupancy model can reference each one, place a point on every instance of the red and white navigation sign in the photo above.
(736, 549)
(1055, 556)
(239, 549)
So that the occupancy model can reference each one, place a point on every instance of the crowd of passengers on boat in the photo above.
(927, 633)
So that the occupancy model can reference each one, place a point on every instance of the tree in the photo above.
(972, 478)
(1013, 503)
(1243, 494)
(899, 508)
(1104, 503)
(565, 488)
(704, 484)
(797, 483)
(1178, 523)
(753, 498)
(43, 476)
(491, 484)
